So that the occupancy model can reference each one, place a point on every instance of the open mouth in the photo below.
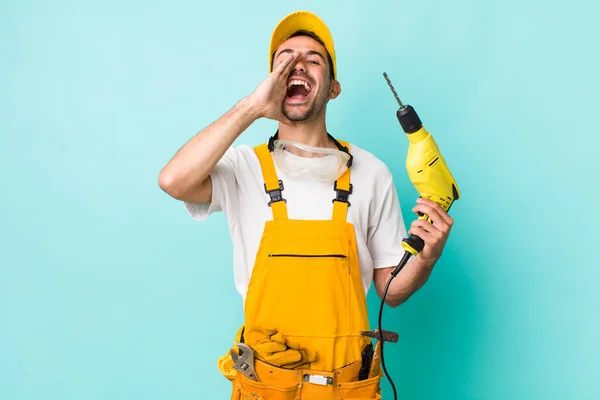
(297, 90)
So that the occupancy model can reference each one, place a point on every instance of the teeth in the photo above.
(299, 82)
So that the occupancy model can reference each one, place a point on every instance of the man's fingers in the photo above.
(422, 233)
(283, 63)
(427, 227)
(430, 211)
(435, 213)
(290, 65)
(284, 67)
(440, 211)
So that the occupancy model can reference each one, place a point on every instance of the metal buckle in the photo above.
(318, 379)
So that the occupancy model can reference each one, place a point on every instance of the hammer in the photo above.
(387, 336)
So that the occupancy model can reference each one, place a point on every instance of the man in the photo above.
(314, 222)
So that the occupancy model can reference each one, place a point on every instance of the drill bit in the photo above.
(393, 90)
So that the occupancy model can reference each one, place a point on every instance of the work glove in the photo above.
(271, 346)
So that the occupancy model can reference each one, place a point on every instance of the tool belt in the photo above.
(292, 384)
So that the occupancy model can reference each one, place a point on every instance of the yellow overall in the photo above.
(306, 303)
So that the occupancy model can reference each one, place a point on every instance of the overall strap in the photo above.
(273, 186)
(343, 189)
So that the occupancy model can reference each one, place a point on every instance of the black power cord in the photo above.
(395, 272)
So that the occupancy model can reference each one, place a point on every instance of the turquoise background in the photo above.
(108, 290)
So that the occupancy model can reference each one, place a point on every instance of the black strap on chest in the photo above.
(342, 195)
(276, 194)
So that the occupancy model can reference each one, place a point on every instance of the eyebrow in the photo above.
(309, 53)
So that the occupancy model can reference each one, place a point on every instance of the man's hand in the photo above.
(435, 233)
(417, 271)
(268, 97)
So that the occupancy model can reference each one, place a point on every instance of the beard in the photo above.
(305, 112)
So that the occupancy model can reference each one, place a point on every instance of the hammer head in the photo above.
(387, 335)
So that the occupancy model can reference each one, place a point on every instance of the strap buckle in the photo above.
(318, 379)
(341, 194)
(275, 194)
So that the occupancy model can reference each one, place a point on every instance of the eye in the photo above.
(313, 62)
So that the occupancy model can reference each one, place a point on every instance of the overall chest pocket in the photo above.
(290, 255)
(309, 286)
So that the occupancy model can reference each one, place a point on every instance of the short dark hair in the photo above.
(318, 39)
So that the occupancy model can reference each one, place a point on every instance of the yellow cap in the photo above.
(302, 20)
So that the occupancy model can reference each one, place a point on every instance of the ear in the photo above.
(335, 90)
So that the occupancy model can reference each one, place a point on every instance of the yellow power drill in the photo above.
(426, 168)
(431, 177)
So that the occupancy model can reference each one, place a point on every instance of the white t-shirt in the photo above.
(238, 191)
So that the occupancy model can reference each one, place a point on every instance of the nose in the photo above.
(300, 64)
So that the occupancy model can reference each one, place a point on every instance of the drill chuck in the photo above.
(407, 116)
(409, 120)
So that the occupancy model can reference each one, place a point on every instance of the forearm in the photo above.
(410, 279)
(194, 162)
